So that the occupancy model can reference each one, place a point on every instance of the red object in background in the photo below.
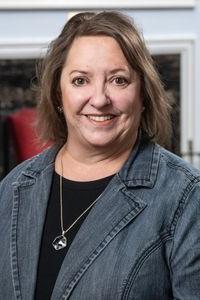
(23, 134)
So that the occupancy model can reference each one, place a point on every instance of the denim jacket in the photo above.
(140, 241)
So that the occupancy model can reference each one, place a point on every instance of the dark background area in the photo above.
(17, 78)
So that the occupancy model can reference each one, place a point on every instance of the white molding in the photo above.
(23, 49)
(94, 4)
(185, 46)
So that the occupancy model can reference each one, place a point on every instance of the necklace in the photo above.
(60, 241)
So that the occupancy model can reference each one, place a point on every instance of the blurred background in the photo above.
(171, 29)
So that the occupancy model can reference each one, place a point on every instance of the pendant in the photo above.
(60, 242)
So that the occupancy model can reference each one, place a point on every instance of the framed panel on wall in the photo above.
(94, 4)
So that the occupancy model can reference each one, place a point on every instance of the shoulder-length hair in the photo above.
(155, 119)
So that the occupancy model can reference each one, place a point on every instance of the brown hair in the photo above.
(155, 119)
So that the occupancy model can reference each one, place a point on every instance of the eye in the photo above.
(79, 81)
(120, 80)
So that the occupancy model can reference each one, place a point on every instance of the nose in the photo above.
(99, 97)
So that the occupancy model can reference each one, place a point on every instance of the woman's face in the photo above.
(101, 94)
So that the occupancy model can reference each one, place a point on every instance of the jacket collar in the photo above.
(139, 170)
(142, 166)
(36, 166)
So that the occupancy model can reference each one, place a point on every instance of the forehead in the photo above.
(93, 49)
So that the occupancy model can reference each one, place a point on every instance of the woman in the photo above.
(106, 213)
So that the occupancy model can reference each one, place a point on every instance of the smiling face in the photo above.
(100, 95)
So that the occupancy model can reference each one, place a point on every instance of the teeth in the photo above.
(100, 118)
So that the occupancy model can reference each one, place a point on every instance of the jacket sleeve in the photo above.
(185, 255)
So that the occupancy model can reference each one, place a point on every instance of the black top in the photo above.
(77, 196)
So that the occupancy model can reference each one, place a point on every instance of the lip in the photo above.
(101, 119)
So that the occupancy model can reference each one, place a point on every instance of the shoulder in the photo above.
(180, 182)
(150, 165)
(177, 165)
(32, 166)
(165, 176)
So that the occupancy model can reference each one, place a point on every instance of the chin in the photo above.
(100, 142)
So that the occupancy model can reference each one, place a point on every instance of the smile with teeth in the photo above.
(101, 118)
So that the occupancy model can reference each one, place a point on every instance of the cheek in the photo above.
(73, 100)
(128, 100)
(128, 104)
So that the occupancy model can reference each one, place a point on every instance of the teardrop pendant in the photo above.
(59, 242)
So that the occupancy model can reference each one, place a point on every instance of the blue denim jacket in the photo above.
(140, 241)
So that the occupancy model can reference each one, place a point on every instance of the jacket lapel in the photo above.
(113, 211)
(31, 193)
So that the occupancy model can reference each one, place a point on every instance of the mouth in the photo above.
(100, 118)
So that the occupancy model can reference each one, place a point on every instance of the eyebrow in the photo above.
(119, 70)
(116, 70)
(78, 71)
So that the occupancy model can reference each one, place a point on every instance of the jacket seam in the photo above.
(180, 210)
(182, 202)
(179, 167)
(135, 269)
(13, 247)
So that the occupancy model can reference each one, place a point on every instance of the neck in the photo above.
(91, 164)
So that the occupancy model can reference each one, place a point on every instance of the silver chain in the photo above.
(61, 205)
